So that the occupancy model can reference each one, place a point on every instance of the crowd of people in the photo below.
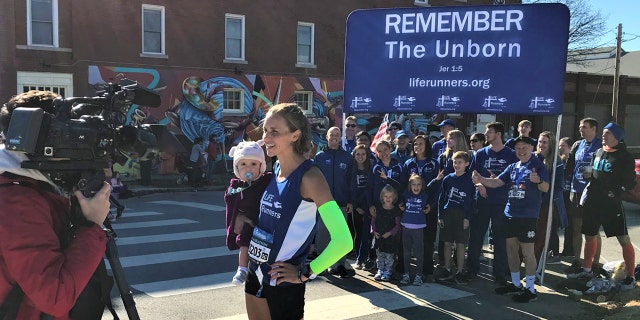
(407, 197)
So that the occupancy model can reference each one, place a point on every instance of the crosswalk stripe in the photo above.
(173, 256)
(170, 237)
(133, 214)
(211, 207)
(369, 303)
(150, 224)
(186, 285)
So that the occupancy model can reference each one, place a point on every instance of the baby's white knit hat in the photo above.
(248, 150)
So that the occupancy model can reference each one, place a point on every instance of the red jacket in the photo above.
(31, 253)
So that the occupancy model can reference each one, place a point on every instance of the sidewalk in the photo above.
(175, 183)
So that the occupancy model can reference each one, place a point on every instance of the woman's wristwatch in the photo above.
(305, 271)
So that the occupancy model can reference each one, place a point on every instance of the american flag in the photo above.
(381, 131)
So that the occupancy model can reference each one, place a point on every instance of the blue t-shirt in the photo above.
(376, 183)
(360, 188)
(427, 169)
(583, 155)
(487, 162)
(457, 192)
(413, 215)
(524, 197)
(348, 145)
(438, 148)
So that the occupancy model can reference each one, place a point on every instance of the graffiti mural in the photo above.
(229, 106)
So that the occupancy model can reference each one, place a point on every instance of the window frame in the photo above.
(311, 63)
(54, 21)
(151, 7)
(308, 109)
(233, 111)
(227, 17)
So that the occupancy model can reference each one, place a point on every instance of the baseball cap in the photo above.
(401, 133)
(446, 122)
(524, 139)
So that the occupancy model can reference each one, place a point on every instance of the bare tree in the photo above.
(586, 27)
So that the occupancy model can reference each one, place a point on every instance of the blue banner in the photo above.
(464, 59)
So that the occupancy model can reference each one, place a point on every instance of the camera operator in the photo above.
(41, 254)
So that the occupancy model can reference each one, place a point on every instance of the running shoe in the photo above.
(446, 276)
(509, 289)
(525, 296)
(405, 279)
(628, 283)
(461, 278)
(575, 267)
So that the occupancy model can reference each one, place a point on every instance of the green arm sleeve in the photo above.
(341, 242)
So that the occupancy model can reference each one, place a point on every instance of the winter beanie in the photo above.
(616, 130)
(248, 150)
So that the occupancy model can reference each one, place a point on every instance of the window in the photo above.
(153, 29)
(233, 101)
(42, 26)
(304, 99)
(234, 37)
(305, 44)
(60, 83)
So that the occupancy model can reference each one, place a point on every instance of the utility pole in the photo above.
(616, 77)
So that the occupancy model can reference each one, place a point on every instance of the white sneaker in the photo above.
(239, 278)
(378, 276)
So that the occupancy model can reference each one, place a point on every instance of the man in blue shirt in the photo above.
(580, 157)
(524, 130)
(402, 152)
(336, 166)
(348, 142)
(440, 145)
(489, 162)
(526, 180)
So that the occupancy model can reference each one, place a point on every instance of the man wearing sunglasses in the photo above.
(348, 142)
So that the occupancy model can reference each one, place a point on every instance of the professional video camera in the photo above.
(75, 145)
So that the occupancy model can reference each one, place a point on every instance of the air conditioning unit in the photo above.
(421, 3)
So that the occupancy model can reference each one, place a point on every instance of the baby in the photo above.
(242, 199)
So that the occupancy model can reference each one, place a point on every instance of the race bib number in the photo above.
(516, 193)
(260, 246)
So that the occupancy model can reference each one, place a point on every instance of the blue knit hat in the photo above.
(616, 130)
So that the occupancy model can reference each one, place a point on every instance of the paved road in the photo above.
(171, 246)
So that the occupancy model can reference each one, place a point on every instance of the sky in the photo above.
(620, 11)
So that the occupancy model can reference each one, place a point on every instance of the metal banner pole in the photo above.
(543, 258)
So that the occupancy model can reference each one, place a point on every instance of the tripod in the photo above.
(118, 275)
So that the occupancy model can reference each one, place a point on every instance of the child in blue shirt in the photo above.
(414, 220)
(455, 207)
